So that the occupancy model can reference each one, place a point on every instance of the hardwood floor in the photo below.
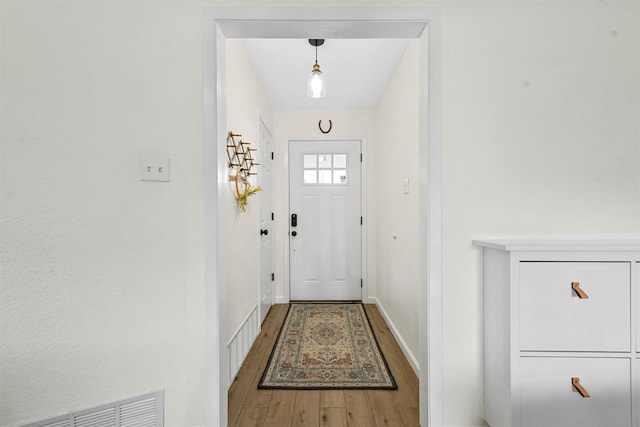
(249, 406)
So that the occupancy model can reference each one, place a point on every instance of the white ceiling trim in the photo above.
(312, 22)
(300, 29)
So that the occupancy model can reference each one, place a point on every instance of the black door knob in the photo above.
(264, 232)
(294, 233)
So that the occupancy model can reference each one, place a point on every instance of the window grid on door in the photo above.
(325, 169)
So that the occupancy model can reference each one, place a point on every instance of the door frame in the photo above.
(258, 22)
(262, 124)
(363, 203)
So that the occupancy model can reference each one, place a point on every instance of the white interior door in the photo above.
(325, 251)
(265, 177)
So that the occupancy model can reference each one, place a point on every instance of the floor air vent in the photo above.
(141, 411)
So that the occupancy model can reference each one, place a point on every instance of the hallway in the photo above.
(249, 406)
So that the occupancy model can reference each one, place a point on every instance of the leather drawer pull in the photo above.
(576, 287)
(576, 383)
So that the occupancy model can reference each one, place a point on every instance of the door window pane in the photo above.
(324, 161)
(324, 177)
(339, 161)
(310, 176)
(310, 161)
(339, 176)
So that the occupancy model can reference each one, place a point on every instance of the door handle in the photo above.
(264, 232)
(576, 287)
(294, 220)
(294, 233)
(576, 383)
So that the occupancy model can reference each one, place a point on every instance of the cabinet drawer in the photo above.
(553, 316)
(549, 398)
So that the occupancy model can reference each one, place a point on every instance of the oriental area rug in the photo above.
(324, 346)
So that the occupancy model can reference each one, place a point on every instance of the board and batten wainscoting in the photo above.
(241, 341)
(561, 331)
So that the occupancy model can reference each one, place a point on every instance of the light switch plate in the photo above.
(154, 170)
(405, 186)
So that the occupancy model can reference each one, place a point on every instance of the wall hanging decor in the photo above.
(241, 162)
(322, 130)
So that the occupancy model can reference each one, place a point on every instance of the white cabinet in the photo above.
(561, 332)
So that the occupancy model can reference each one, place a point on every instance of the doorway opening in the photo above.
(219, 23)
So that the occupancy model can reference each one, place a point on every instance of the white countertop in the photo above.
(562, 243)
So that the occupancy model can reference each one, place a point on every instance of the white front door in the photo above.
(265, 177)
(325, 221)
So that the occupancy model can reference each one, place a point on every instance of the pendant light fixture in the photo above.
(315, 86)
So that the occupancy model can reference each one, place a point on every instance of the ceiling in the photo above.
(356, 70)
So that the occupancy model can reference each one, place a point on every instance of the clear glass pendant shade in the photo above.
(315, 86)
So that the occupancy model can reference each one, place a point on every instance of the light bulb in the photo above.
(315, 86)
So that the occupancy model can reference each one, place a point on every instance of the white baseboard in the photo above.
(281, 300)
(401, 342)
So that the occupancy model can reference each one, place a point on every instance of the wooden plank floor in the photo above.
(249, 406)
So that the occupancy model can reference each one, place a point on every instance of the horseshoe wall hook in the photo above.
(322, 130)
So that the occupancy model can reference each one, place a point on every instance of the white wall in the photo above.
(102, 274)
(398, 261)
(245, 98)
(541, 136)
(304, 124)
